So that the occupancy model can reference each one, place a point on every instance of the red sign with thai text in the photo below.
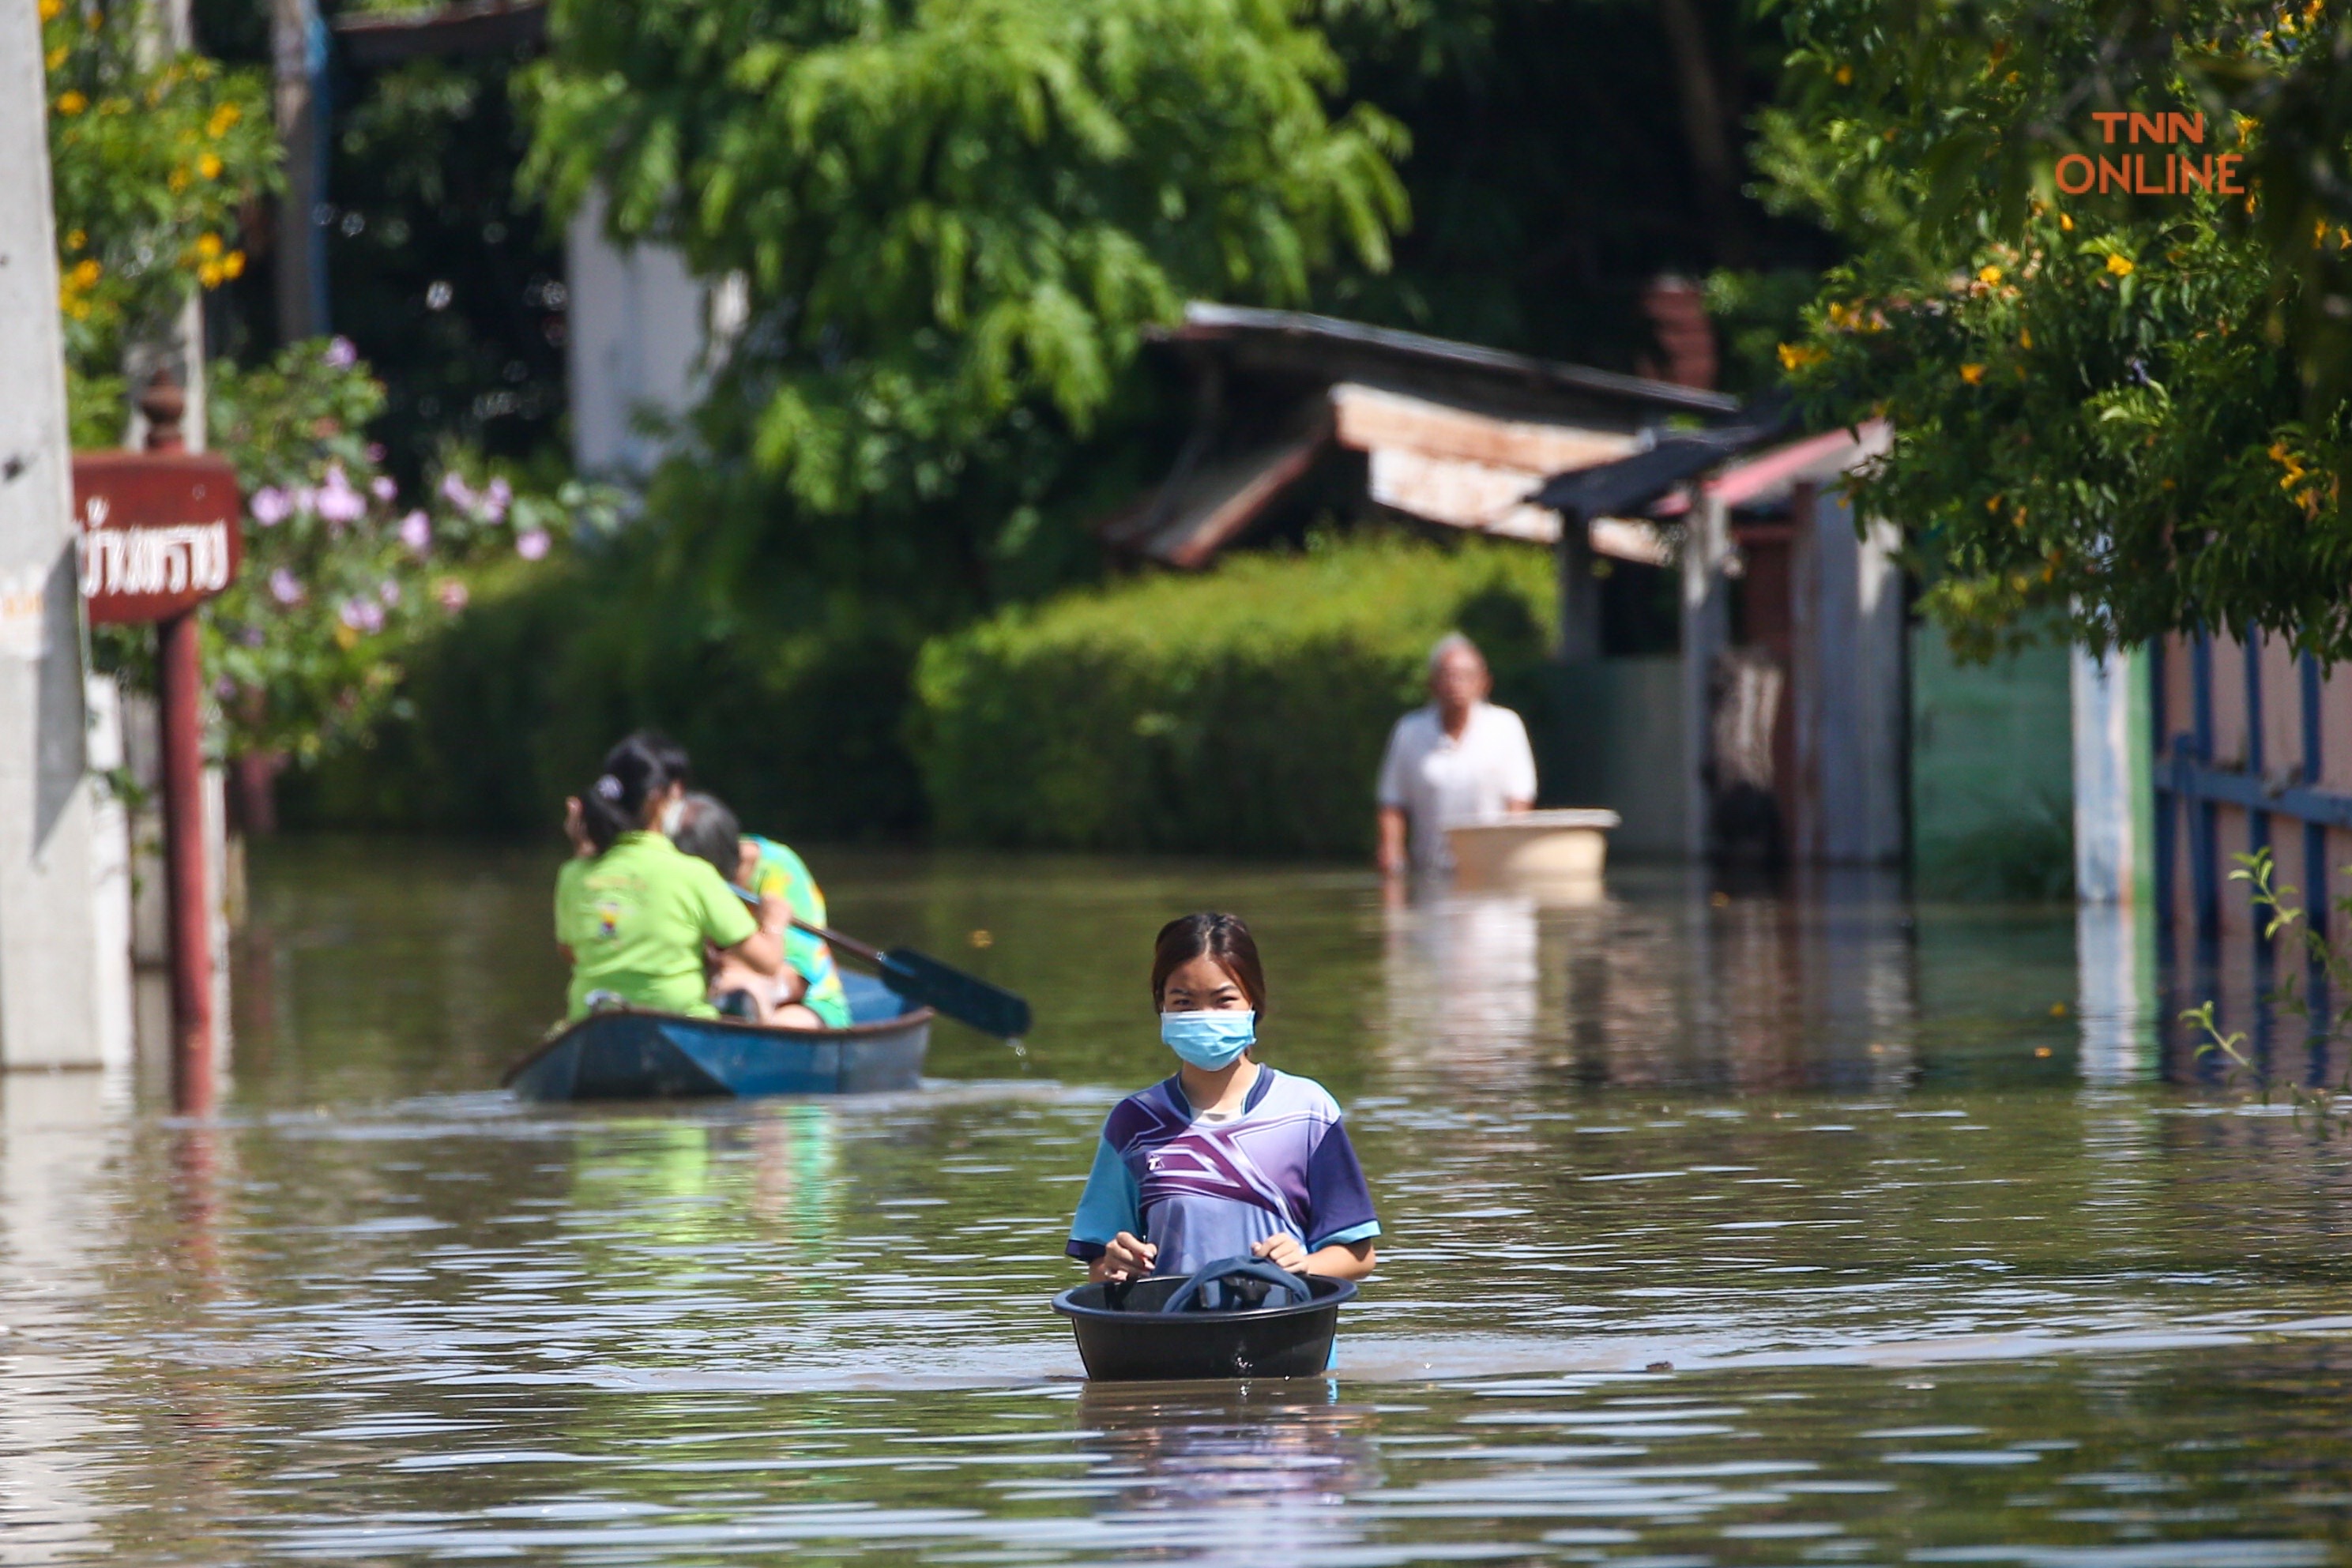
(160, 532)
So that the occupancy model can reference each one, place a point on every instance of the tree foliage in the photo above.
(949, 212)
(151, 157)
(2103, 403)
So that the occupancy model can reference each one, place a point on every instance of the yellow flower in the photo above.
(347, 638)
(70, 102)
(233, 264)
(2025, 338)
(52, 9)
(75, 239)
(208, 245)
(178, 181)
(2121, 265)
(85, 274)
(2065, 223)
(209, 274)
(1797, 356)
(224, 121)
(208, 164)
(1989, 275)
(57, 57)
(1972, 374)
(1845, 76)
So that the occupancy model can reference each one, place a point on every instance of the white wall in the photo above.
(636, 321)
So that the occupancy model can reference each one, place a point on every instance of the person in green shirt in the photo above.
(807, 992)
(633, 916)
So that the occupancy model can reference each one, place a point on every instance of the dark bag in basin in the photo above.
(1239, 1317)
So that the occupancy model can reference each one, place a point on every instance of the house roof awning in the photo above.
(1769, 477)
(1469, 375)
(1634, 483)
(469, 27)
(1450, 433)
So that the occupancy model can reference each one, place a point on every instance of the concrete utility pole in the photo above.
(48, 917)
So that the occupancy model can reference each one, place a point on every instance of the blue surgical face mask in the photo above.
(1209, 1041)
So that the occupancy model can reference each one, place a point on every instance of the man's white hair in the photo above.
(1453, 643)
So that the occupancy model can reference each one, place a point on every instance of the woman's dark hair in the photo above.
(670, 753)
(709, 831)
(635, 773)
(1222, 937)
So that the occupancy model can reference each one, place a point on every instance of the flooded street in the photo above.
(1755, 1230)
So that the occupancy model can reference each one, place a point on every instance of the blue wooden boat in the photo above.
(627, 1054)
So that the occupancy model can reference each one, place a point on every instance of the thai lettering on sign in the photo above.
(178, 558)
(158, 532)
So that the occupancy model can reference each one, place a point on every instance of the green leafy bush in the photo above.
(342, 572)
(795, 721)
(1240, 713)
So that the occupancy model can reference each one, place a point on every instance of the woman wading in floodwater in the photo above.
(1229, 1157)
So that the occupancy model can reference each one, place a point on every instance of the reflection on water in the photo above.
(1813, 1229)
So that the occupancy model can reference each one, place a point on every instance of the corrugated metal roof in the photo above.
(1208, 324)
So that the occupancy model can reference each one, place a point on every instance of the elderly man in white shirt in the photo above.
(1459, 760)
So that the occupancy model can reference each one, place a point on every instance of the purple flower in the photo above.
(341, 355)
(283, 587)
(455, 490)
(416, 532)
(375, 450)
(496, 498)
(337, 501)
(271, 506)
(451, 594)
(531, 543)
(224, 688)
(305, 499)
(389, 592)
(382, 488)
(361, 615)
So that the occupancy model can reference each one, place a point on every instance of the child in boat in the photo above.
(806, 993)
(634, 913)
(1229, 1157)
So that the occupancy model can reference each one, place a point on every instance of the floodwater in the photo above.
(1818, 1230)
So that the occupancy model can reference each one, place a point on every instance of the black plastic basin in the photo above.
(1135, 1341)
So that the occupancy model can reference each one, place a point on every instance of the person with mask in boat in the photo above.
(806, 993)
(1228, 1158)
(633, 913)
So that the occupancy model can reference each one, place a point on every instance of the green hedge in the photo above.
(799, 727)
(1242, 712)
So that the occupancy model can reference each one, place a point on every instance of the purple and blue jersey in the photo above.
(1201, 1191)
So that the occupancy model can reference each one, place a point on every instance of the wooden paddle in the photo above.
(920, 977)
